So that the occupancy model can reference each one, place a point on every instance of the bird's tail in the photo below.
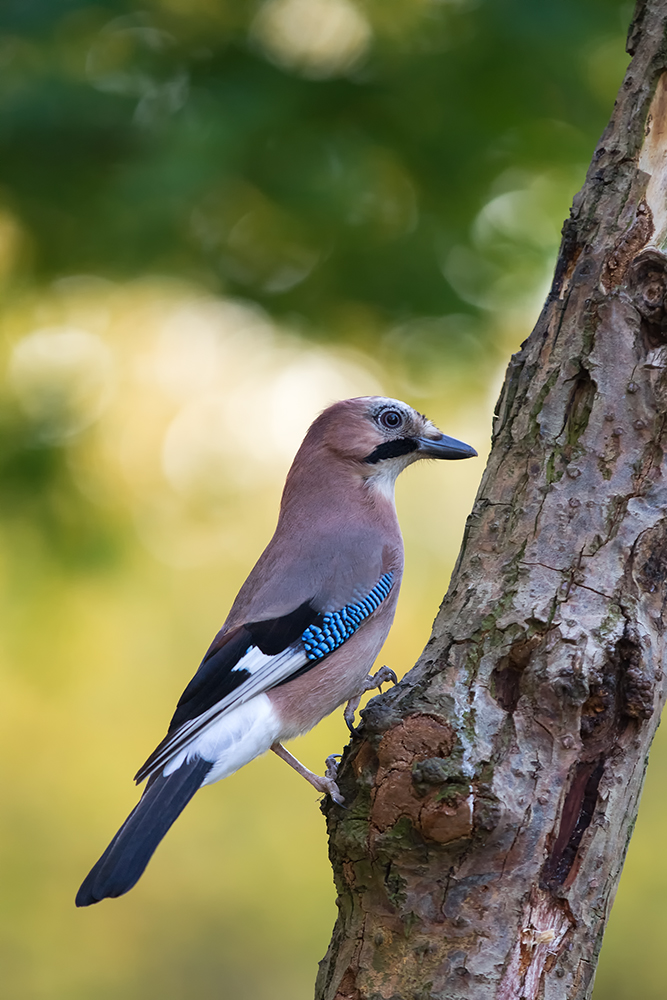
(126, 857)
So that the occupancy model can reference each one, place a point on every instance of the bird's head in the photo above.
(380, 437)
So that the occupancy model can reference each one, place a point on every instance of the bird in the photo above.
(304, 630)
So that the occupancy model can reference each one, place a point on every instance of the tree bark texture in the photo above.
(492, 794)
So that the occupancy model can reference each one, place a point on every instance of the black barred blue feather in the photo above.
(321, 639)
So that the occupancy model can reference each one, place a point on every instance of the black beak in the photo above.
(444, 447)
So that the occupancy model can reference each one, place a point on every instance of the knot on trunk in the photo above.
(623, 689)
(647, 286)
(419, 786)
(507, 676)
(647, 283)
(626, 250)
(636, 685)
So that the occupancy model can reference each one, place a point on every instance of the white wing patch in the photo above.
(265, 672)
(252, 661)
(233, 739)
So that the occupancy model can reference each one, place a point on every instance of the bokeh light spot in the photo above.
(63, 379)
(317, 38)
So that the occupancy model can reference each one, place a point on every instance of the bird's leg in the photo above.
(371, 682)
(327, 784)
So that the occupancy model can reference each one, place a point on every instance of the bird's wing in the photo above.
(256, 657)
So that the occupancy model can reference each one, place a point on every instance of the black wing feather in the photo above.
(276, 634)
(219, 674)
(215, 678)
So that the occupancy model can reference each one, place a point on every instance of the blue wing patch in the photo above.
(320, 640)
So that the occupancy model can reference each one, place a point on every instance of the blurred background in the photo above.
(217, 216)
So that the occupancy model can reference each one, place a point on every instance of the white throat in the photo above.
(384, 476)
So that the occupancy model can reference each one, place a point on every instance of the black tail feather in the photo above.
(126, 857)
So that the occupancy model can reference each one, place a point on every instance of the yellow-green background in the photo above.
(208, 231)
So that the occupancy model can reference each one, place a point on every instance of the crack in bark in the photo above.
(571, 582)
(576, 816)
(600, 593)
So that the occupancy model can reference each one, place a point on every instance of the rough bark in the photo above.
(492, 794)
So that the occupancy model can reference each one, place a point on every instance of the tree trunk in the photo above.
(492, 794)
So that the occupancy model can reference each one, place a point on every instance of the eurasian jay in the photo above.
(304, 630)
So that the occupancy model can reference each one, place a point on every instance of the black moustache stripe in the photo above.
(392, 449)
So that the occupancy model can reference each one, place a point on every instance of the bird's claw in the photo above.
(373, 681)
(329, 786)
(349, 713)
(384, 675)
(332, 766)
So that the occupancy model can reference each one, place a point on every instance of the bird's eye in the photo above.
(391, 419)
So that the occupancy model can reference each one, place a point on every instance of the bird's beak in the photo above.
(444, 447)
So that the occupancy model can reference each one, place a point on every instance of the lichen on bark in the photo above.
(493, 792)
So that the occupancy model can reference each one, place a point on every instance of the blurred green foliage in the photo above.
(162, 137)
(216, 215)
